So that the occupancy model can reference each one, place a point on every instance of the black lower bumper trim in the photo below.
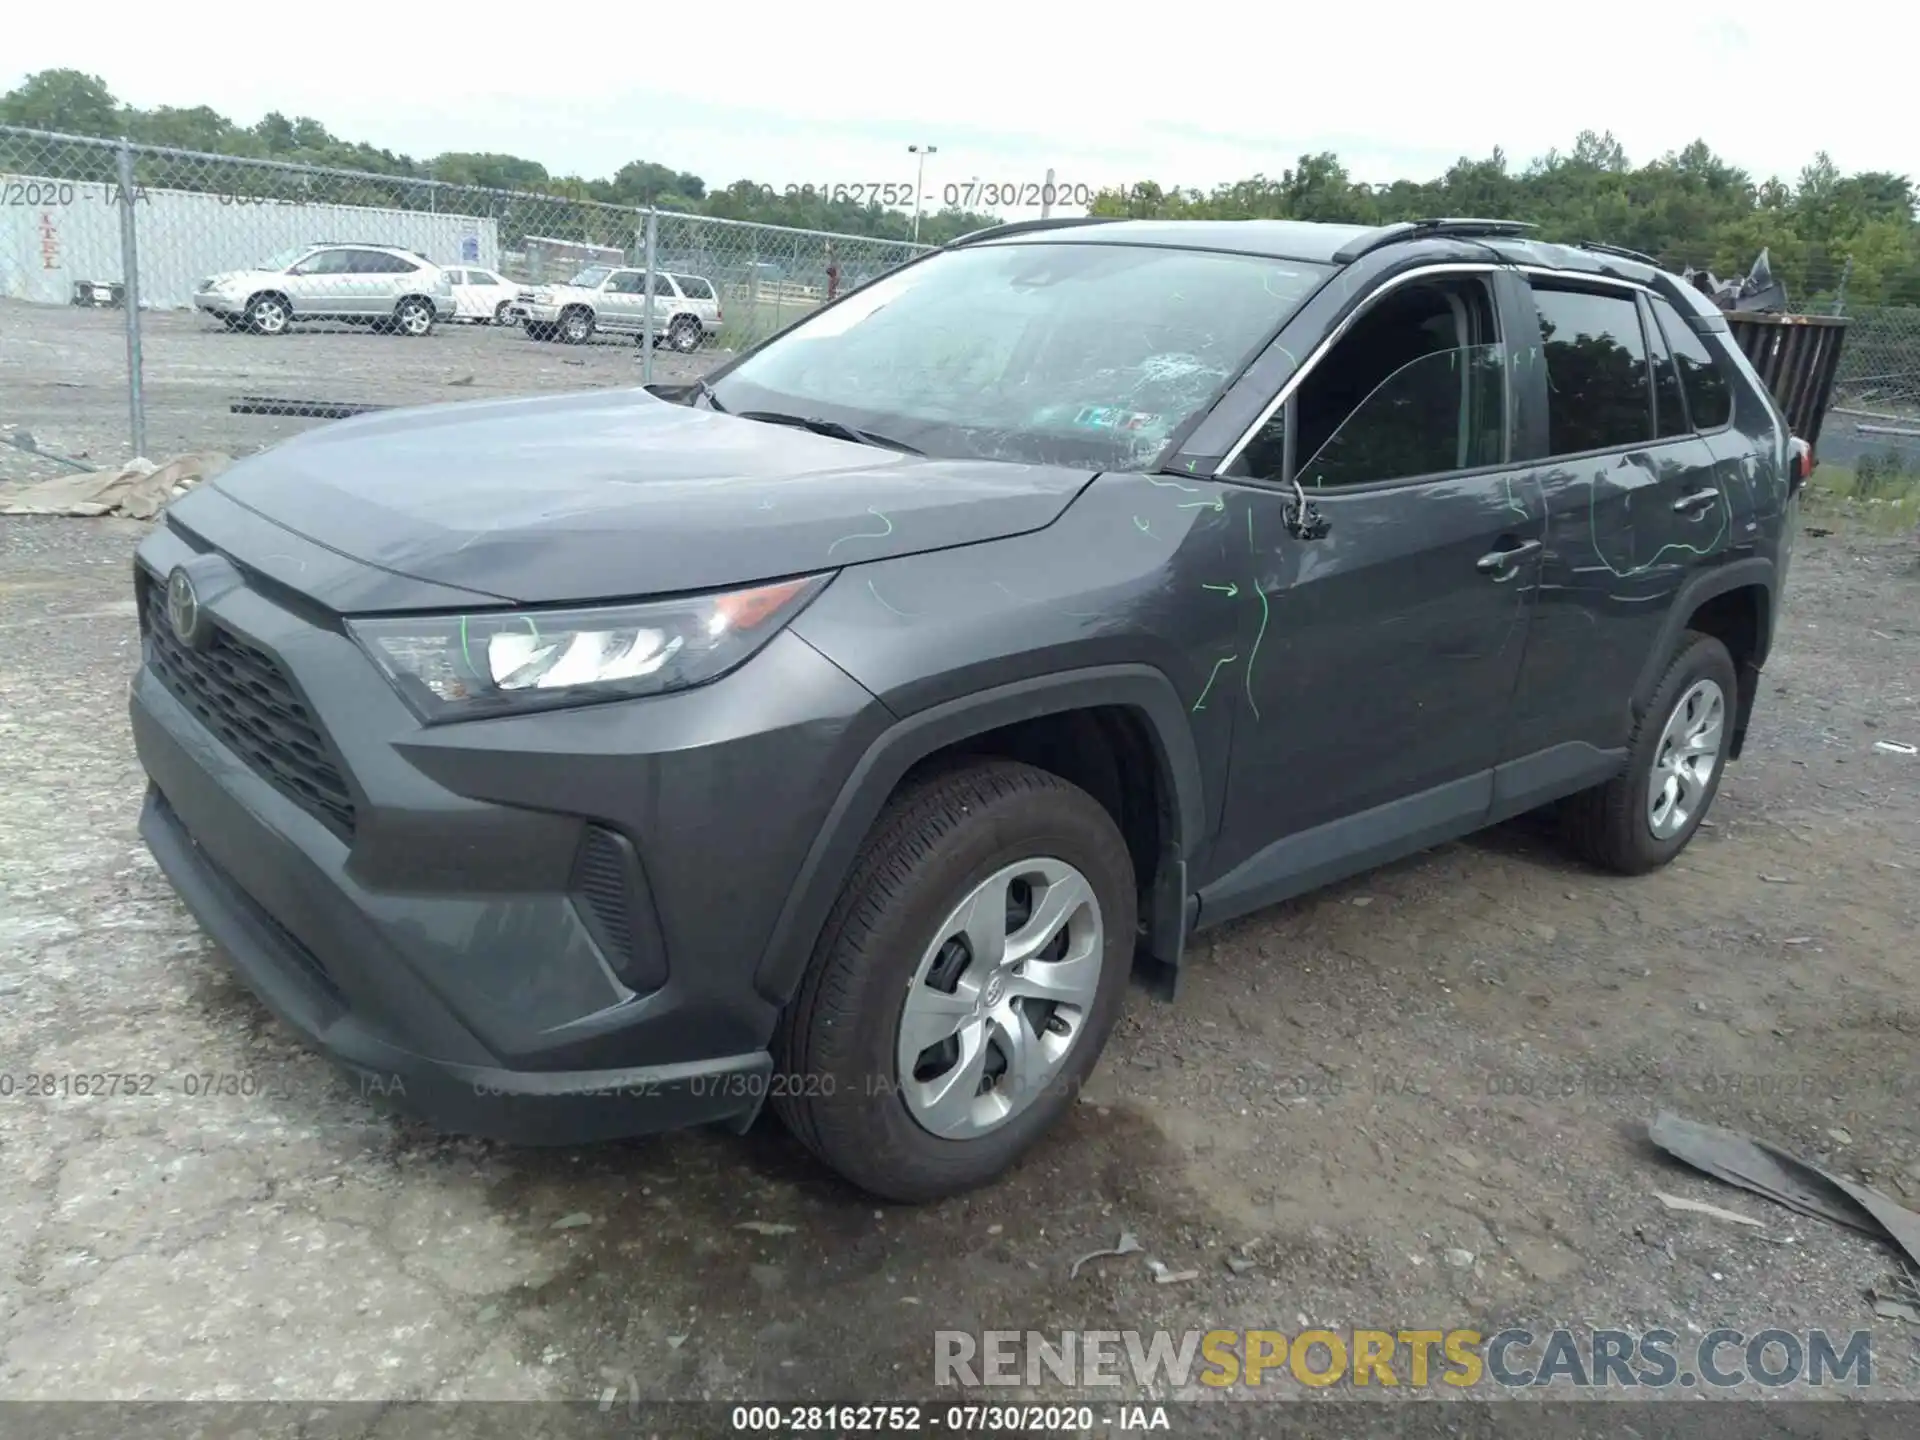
(517, 1106)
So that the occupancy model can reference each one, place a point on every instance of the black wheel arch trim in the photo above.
(911, 739)
(1753, 571)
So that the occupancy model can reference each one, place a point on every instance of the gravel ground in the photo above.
(1414, 1099)
(63, 378)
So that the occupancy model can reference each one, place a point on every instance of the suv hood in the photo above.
(616, 494)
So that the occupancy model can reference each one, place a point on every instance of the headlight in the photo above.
(543, 297)
(492, 662)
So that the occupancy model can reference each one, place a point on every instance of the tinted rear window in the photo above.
(1709, 395)
(1598, 392)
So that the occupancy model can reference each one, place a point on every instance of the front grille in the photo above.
(240, 693)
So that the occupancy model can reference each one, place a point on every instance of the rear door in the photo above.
(1634, 501)
(1387, 648)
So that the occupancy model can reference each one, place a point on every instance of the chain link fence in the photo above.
(161, 302)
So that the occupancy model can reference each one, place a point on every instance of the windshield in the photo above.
(1082, 354)
(281, 259)
(591, 277)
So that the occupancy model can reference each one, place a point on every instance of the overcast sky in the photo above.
(1198, 92)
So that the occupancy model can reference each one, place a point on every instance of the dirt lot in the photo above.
(63, 378)
(1412, 1100)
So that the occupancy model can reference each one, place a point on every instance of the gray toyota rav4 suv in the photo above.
(844, 729)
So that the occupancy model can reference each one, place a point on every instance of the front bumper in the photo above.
(445, 943)
(216, 302)
(537, 312)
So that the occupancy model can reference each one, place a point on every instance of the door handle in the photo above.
(1696, 502)
(1499, 563)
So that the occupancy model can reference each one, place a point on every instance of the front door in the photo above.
(1388, 645)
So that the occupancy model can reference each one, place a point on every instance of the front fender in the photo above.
(1140, 688)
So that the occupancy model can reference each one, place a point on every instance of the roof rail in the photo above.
(1423, 229)
(1023, 227)
(1603, 248)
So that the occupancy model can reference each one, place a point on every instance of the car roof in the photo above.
(1281, 239)
(1322, 243)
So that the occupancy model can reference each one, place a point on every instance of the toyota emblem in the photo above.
(183, 607)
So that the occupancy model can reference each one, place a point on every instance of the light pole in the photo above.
(920, 182)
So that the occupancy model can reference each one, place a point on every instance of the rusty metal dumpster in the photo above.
(1798, 357)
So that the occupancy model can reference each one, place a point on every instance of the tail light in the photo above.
(1800, 462)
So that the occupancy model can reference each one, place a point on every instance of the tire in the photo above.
(842, 1084)
(268, 315)
(503, 313)
(685, 334)
(576, 326)
(413, 317)
(1626, 825)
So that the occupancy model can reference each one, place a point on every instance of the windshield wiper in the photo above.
(830, 427)
(702, 388)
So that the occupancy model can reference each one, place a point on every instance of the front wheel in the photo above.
(576, 327)
(268, 315)
(1643, 817)
(963, 986)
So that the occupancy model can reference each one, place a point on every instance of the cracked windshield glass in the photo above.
(1083, 354)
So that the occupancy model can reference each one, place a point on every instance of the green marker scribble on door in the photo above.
(1228, 590)
(1593, 536)
(1201, 703)
(1142, 526)
(865, 534)
(1254, 654)
(1173, 484)
(903, 614)
(1217, 503)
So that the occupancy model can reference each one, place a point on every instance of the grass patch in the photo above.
(1880, 492)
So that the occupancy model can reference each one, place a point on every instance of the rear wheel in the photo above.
(268, 315)
(685, 334)
(413, 316)
(503, 313)
(1643, 817)
(963, 986)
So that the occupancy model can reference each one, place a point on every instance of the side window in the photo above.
(1599, 394)
(1669, 411)
(325, 262)
(1708, 394)
(1417, 386)
(484, 277)
(694, 288)
(456, 277)
(624, 282)
(663, 285)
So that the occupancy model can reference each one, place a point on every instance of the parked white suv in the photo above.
(686, 308)
(395, 291)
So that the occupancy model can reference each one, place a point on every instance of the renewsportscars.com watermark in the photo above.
(1511, 1359)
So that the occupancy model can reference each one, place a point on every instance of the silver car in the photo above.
(393, 290)
(686, 308)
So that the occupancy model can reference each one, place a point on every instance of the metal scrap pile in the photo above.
(1758, 294)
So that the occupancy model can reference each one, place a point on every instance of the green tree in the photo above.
(68, 100)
